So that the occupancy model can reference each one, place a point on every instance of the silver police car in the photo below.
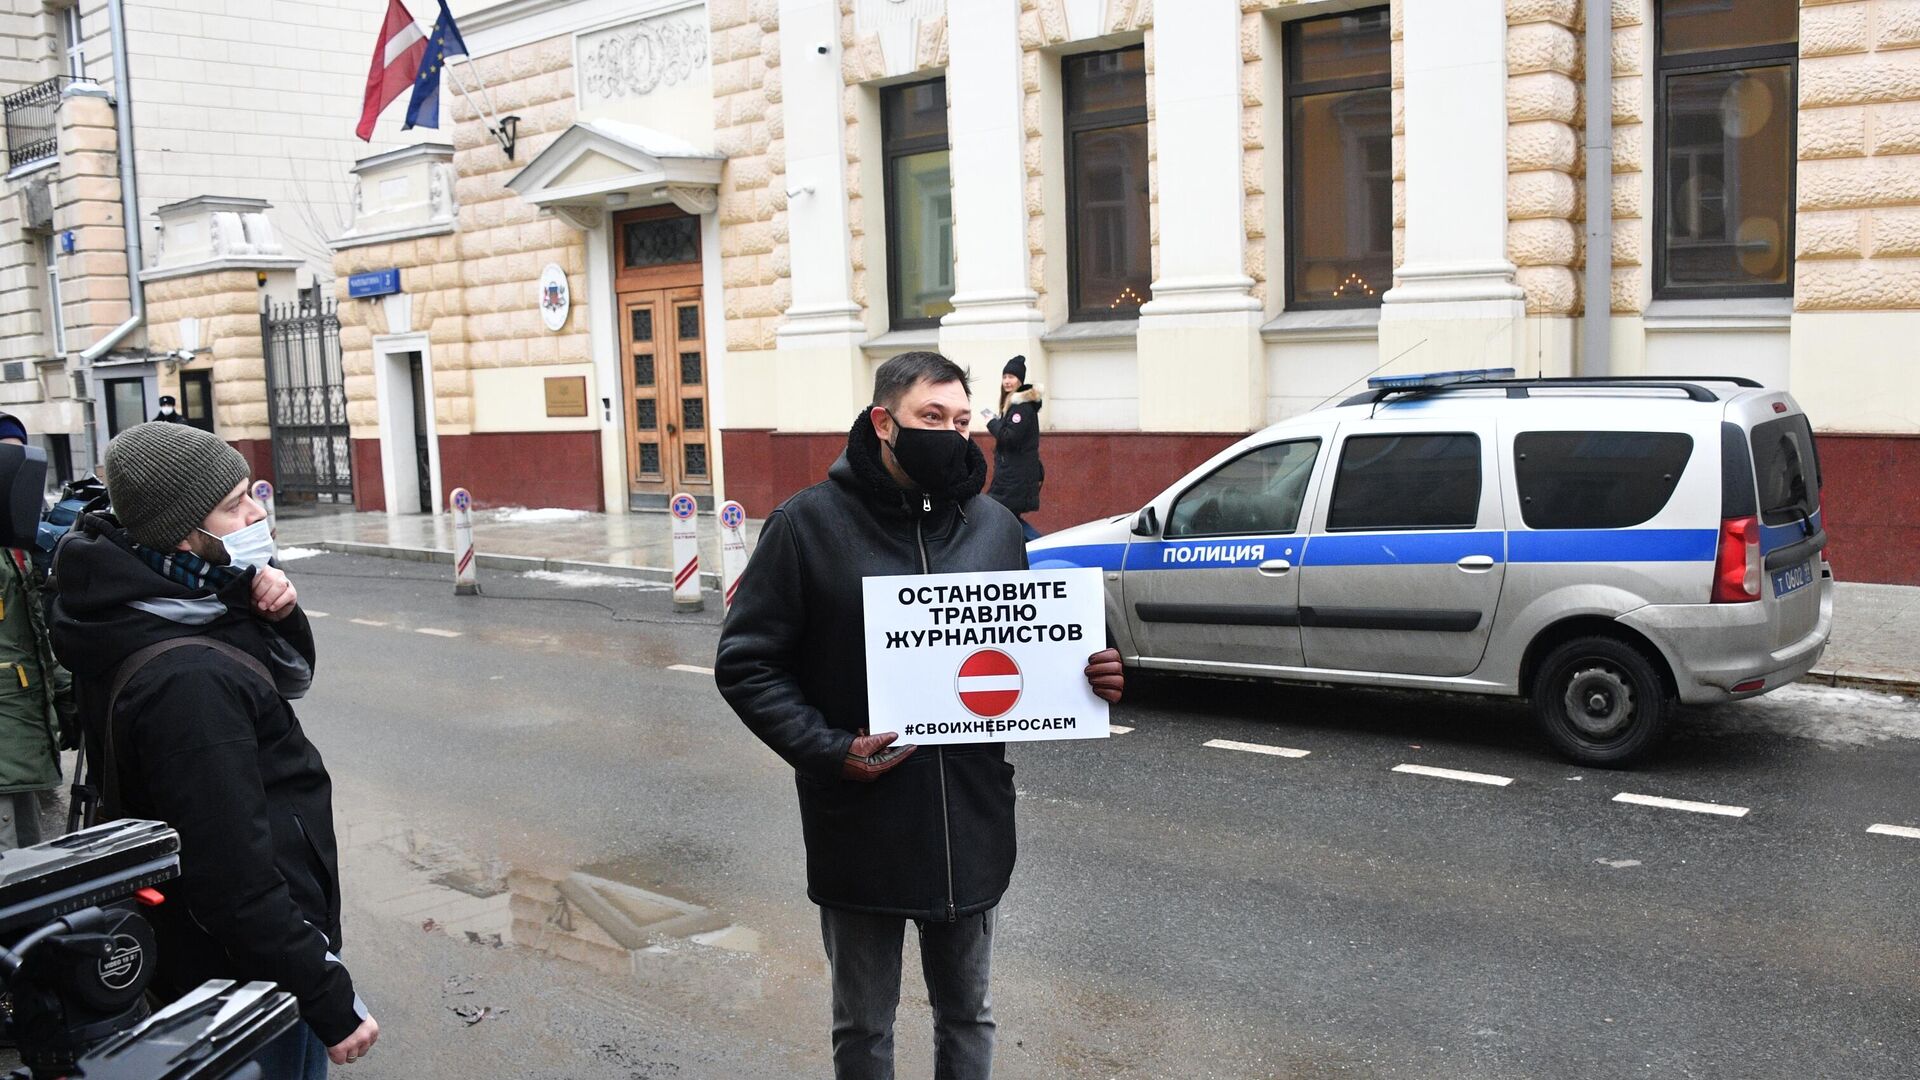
(1604, 547)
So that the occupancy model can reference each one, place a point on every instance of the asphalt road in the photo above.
(1180, 909)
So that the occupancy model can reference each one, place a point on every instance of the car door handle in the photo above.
(1475, 564)
(1275, 567)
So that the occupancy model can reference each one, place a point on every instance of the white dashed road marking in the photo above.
(1681, 804)
(1895, 830)
(1456, 774)
(690, 669)
(1118, 729)
(368, 622)
(431, 632)
(1257, 748)
(316, 614)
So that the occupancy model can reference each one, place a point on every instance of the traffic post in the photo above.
(263, 494)
(466, 579)
(686, 554)
(733, 549)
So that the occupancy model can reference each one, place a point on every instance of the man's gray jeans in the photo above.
(863, 952)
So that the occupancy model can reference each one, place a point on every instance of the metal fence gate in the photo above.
(307, 402)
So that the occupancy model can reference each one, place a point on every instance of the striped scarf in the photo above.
(186, 568)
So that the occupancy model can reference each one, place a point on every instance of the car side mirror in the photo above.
(23, 492)
(1146, 522)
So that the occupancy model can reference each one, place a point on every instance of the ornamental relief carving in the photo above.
(633, 61)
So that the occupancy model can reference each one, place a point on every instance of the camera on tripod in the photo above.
(76, 957)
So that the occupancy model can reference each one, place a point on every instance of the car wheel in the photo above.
(1600, 701)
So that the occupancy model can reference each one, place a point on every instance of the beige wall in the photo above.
(227, 303)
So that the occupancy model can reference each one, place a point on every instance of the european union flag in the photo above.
(424, 108)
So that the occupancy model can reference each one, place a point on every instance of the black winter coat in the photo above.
(207, 747)
(1017, 472)
(934, 837)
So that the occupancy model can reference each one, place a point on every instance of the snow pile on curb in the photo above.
(550, 515)
(1836, 716)
(589, 579)
(289, 554)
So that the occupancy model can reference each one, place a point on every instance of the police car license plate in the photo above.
(1793, 577)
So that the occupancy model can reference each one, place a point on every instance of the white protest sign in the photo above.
(972, 658)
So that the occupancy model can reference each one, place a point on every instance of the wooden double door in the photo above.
(665, 370)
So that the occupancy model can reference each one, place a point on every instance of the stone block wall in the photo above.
(227, 303)
(93, 279)
(749, 128)
(474, 291)
(1543, 151)
(1857, 234)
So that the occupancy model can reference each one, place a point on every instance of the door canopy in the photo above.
(599, 164)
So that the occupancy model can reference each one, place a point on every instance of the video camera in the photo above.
(76, 957)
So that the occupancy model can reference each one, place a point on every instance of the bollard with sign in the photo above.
(733, 549)
(686, 554)
(263, 494)
(466, 581)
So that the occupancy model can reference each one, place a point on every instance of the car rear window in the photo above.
(1786, 469)
(1407, 482)
(1597, 479)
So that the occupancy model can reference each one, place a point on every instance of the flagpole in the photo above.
(493, 128)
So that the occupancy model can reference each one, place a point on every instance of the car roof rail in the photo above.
(1519, 388)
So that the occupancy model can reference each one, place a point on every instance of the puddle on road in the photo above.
(600, 919)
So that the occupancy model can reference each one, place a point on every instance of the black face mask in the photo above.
(934, 459)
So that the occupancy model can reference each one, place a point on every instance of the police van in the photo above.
(1604, 547)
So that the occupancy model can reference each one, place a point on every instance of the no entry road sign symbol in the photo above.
(988, 684)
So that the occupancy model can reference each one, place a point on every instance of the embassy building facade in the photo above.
(717, 218)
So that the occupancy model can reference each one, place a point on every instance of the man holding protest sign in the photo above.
(894, 832)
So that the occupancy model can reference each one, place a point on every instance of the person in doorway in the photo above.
(186, 644)
(35, 694)
(167, 413)
(1017, 472)
(891, 834)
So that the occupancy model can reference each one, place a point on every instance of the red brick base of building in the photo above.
(1871, 497)
(507, 468)
(259, 455)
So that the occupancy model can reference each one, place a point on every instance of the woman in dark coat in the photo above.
(1017, 472)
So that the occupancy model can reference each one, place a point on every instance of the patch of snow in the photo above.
(589, 579)
(1834, 715)
(520, 515)
(289, 554)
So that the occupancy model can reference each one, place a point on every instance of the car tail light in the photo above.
(1736, 572)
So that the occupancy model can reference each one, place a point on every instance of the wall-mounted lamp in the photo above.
(804, 189)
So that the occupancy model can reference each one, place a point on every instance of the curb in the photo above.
(1906, 685)
(517, 564)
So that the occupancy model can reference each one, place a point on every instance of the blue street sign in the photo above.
(374, 283)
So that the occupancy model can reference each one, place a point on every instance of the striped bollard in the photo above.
(466, 579)
(263, 494)
(733, 548)
(686, 554)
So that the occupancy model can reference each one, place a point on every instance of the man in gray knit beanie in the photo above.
(165, 479)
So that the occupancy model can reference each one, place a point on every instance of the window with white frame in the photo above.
(1109, 231)
(919, 193)
(71, 42)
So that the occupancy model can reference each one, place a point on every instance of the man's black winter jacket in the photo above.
(934, 837)
(207, 747)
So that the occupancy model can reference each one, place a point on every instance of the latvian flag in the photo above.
(396, 60)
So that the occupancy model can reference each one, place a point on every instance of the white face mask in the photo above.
(249, 547)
